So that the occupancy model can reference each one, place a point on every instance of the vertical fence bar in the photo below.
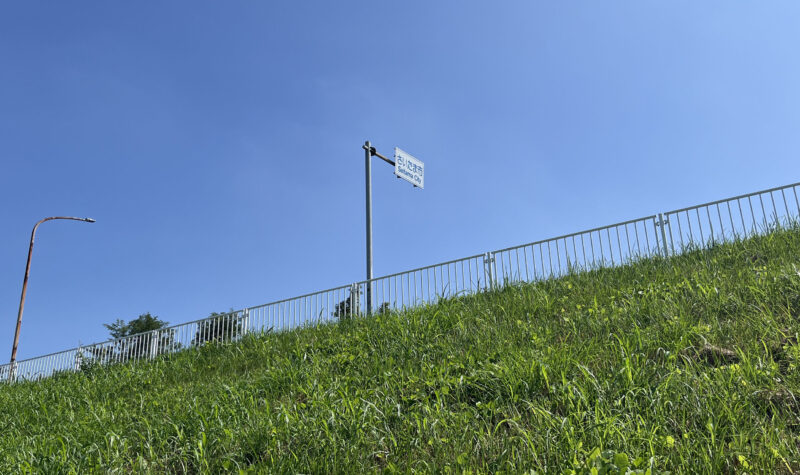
(796, 201)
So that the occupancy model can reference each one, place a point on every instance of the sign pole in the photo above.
(368, 167)
(407, 168)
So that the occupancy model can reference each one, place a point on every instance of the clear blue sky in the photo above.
(218, 144)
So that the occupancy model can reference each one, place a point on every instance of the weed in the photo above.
(686, 364)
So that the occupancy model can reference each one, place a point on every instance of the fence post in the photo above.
(154, 344)
(488, 266)
(245, 322)
(662, 224)
(353, 300)
(79, 358)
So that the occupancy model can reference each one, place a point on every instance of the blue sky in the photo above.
(218, 144)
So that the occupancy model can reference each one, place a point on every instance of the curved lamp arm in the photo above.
(25, 280)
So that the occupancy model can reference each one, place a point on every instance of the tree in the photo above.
(351, 306)
(348, 307)
(145, 323)
(140, 338)
(219, 327)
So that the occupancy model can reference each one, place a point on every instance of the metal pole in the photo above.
(25, 283)
(368, 168)
(662, 223)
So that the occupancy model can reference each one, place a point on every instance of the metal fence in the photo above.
(663, 234)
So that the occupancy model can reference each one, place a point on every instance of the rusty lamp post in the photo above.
(25, 282)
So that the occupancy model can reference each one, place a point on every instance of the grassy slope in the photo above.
(532, 377)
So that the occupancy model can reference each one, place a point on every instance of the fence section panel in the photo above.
(617, 244)
(732, 219)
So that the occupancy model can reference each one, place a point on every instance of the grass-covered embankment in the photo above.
(687, 364)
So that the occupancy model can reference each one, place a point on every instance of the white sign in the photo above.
(409, 168)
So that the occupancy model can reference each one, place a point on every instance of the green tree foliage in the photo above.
(135, 339)
(144, 323)
(349, 307)
(219, 327)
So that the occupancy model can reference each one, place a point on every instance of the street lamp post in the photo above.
(25, 283)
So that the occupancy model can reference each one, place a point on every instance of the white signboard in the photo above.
(409, 168)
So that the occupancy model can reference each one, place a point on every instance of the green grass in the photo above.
(586, 371)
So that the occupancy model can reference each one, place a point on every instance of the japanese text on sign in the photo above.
(409, 168)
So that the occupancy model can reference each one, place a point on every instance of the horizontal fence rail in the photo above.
(664, 234)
